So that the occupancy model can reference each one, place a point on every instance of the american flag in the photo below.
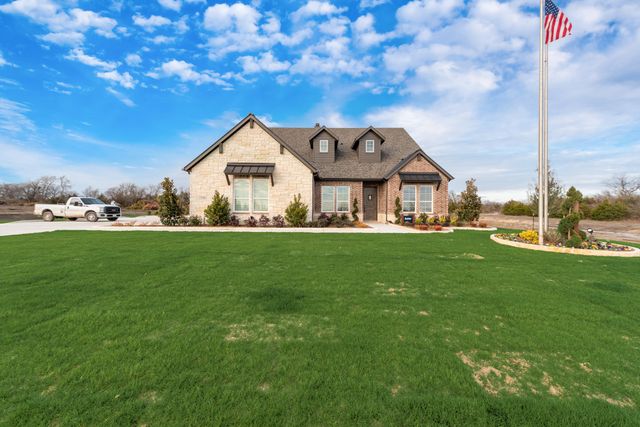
(556, 23)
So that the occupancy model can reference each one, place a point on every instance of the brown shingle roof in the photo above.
(398, 146)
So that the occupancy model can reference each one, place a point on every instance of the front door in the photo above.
(370, 203)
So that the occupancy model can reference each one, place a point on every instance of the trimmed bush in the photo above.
(219, 211)
(234, 221)
(513, 207)
(607, 211)
(296, 212)
(251, 222)
(195, 220)
(264, 221)
(278, 221)
(568, 225)
(574, 242)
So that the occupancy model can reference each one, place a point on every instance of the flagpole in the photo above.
(545, 145)
(541, 131)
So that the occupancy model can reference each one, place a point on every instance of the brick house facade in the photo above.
(261, 168)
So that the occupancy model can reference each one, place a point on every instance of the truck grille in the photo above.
(112, 209)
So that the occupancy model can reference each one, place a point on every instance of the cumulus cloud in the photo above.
(174, 5)
(64, 26)
(151, 23)
(265, 62)
(162, 39)
(78, 54)
(365, 34)
(133, 60)
(316, 8)
(186, 73)
(123, 79)
(239, 17)
(70, 38)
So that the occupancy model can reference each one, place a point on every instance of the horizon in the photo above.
(132, 93)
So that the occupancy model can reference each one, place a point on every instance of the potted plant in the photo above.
(437, 227)
(420, 224)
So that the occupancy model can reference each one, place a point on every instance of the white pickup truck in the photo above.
(90, 208)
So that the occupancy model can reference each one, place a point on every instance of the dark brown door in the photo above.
(370, 203)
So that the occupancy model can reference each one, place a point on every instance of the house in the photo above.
(260, 169)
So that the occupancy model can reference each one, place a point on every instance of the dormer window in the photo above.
(323, 145)
(370, 146)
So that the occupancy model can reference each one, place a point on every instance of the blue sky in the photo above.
(113, 91)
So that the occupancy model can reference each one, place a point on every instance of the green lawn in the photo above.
(131, 328)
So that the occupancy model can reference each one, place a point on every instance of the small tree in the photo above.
(470, 203)
(398, 210)
(219, 211)
(555, 196)
(571, 202)
(170, 211)
(296, 212)
(355, 210)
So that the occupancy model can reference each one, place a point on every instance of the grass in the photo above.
(131, 328)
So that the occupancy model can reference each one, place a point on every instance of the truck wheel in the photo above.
(47, 216)
(72, 219)
(91, 216)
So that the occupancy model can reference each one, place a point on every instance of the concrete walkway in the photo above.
(148, 224)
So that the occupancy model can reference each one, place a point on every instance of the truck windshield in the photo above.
(91, 201)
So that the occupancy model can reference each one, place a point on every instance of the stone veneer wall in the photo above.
(355, 191)
(251, 145)
(392, 189)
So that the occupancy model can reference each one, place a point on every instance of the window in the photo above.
(369, 146)
(334, 199)
(260, 194)
(426, 198)
(342, 199)
(409, 198)
(241, 194)
(324, 146)
(326, 201)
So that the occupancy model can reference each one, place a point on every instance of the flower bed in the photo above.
(529, 239)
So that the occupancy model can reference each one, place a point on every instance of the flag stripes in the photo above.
(556, 23)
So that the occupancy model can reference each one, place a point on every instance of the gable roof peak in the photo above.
(356, 141)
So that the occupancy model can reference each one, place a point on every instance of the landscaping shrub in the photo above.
(454, 220)
(568, 226)
(355, 210)
(296, 212)
(424, 218)
(264, 221)
(398, 210)
(219, 211)
(169, 211)
(513, 207)
(195, 220)
(607, 211)
(323, 220)
(234, 221)
(183, 220)
(574, 241)
(334, 219)
(251, 221)
(572, 200)
(552, 237)
(278, 221)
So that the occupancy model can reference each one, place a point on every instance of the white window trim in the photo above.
(251, 202)
(320, 143)
(335, 199)
(366, 146)
(420, 199)
(415, 198)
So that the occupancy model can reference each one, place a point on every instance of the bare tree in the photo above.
(623, 186)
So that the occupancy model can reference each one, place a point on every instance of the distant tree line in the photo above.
(57, 189)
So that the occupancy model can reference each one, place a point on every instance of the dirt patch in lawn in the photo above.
(285, 328)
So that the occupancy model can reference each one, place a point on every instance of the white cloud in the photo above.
(449, 78)
(171, 4)
(58, 21)
(123, 79)
(272, 25)
(185, 72)
(162, 40)
(13, 118)
(335, 26)
(265, 62)
(133, 60)
(364, 32)
(3, 61)
(181, 25)
(417, 15)
(238, 16)
(151, 23)
(70, 38)
(121, 97)
(365, 4)
(78, 54)
(316, 8)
